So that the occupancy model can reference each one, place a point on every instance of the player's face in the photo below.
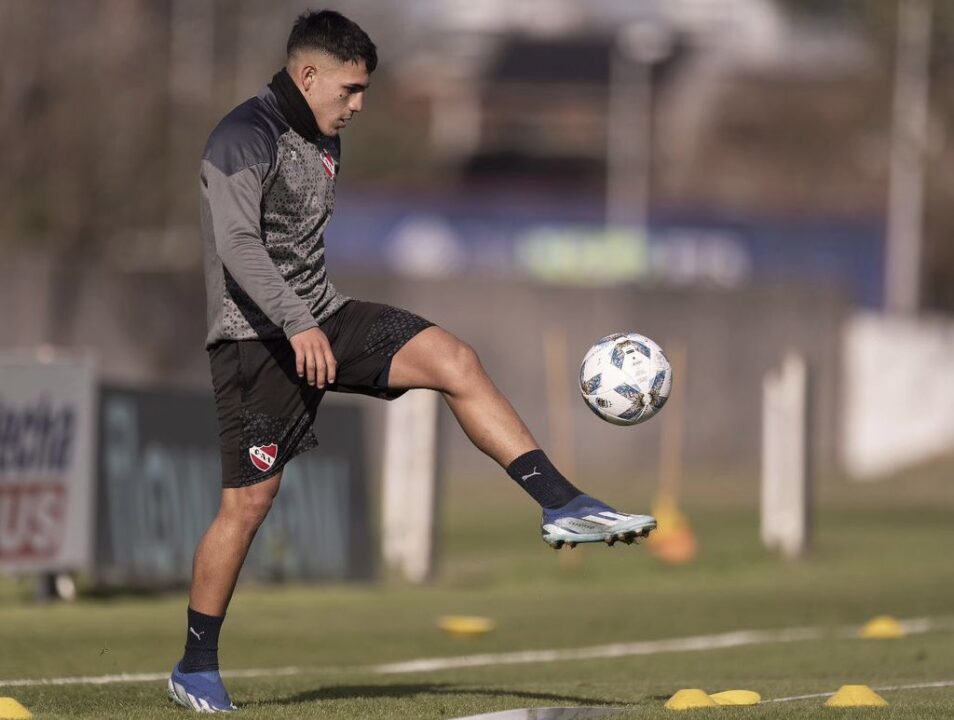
(334, 91)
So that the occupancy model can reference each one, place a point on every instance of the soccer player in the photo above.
(281, 335)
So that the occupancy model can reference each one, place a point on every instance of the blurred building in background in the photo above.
(709, 172)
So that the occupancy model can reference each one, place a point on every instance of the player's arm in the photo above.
(235, 205)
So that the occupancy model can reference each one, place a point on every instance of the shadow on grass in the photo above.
(359, 692)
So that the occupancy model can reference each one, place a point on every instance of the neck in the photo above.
(292, 104)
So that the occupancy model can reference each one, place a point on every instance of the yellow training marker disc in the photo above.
(10, 709)
(883, 627)
(689, 698)
(856, 696)
(465, 625)
(736, 697)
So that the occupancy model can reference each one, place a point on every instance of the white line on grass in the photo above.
(887, 688)
(153, 677)
(696, 643)
(650, 647)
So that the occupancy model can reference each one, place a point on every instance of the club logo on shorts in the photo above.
(329, 163)
(263, 456)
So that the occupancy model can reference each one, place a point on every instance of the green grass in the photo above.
(878, 549)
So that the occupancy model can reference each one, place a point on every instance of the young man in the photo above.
(280, 334)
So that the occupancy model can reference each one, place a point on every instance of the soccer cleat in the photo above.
(585, 519)
(199, 691)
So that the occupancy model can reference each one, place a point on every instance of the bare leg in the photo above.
(222, 550)
(437, 360)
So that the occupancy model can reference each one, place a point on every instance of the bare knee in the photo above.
(462, 367)
(248, 506)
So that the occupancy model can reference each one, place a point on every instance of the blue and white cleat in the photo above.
(585, 519)
(199, 691)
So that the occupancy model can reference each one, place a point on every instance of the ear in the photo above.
(303, 73)
(307, 75)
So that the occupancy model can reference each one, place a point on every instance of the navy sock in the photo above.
(202, 643)
(534, 472)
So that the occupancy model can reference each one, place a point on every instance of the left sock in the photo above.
(534, 472)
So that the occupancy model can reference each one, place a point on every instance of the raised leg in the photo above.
(437, 360)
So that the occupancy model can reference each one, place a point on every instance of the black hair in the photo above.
(334, 34)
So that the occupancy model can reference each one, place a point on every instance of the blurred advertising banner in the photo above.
(568, 243)
(46, 463)
(160, 484)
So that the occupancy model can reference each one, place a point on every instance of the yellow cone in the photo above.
(856, 696)
(883, 627)
(10, 709)
(673, 541)
(465, 625)
(736, 697)
(689, 698)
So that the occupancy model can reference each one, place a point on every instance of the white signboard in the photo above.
(46, 464)
(898, 393)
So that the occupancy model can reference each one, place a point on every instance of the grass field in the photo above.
(883, 548)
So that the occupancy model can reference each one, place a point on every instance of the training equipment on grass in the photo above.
(883, 627)
(689, 699)
(625, 379)
(674, 542)
(736, 697)
(465, 625)
(10, 709)
(856, 696)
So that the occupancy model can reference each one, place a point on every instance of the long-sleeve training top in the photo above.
(267, 195)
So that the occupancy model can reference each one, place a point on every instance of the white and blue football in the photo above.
(625, 378)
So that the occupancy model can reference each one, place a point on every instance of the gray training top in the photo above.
(267, 195)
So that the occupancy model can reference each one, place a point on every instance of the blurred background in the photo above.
(761, 186)
(738, 179)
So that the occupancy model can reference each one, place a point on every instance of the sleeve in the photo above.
(235, 206)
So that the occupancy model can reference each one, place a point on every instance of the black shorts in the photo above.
(266, 411)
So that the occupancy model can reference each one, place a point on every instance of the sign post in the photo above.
(786, 458)
(410, 486)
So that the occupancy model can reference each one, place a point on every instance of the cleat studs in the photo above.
(571, 545)
(558, 544)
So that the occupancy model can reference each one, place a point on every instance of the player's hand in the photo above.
(313, 358)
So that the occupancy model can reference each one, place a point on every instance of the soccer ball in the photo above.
(625, 379)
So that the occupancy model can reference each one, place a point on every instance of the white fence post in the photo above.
(409, 495)
(786, 481)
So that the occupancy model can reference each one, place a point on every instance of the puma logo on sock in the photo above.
(527, 477)
(198, 635)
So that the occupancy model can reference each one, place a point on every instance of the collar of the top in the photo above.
(292, 105)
